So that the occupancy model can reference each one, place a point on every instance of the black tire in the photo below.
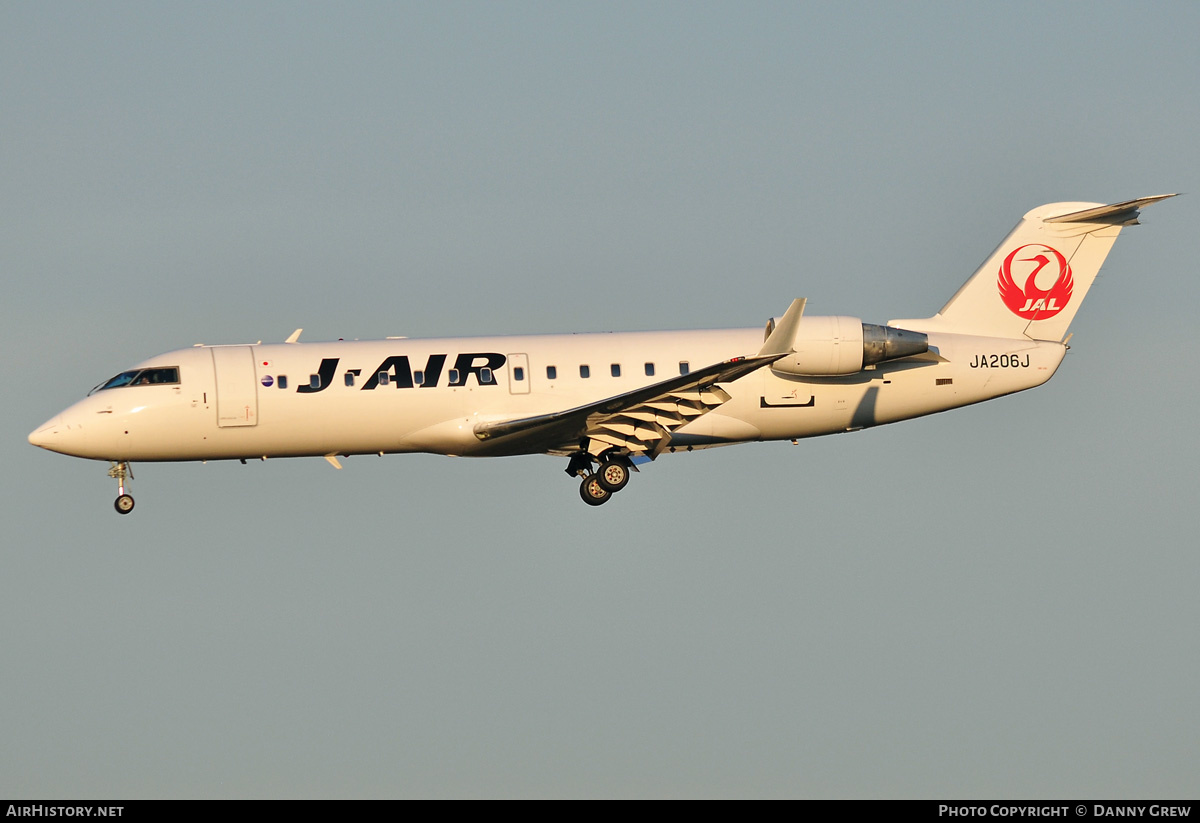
(613, 475)
(123, 504)
(592, 492)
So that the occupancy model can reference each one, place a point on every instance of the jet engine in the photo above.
(838, 346)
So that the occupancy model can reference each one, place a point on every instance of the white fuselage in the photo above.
(229, 402)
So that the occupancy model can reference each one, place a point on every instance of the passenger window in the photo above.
(585, 372)
(453, 377)
(552, 372)
(418, 378)
(282, 381)
(485, 376)
(615, 368)
(518, 374)
(684, 368)
(384, 378)
(649, 369)
(349, 378)
(314, 381)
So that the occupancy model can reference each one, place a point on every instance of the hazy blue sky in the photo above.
(996, 602)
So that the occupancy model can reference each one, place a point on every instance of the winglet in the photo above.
(294, 337)
(783, 336)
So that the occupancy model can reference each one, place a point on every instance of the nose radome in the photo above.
(45, 435)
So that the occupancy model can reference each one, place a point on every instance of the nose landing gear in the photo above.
(119, 471)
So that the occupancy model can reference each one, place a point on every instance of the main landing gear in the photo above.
(597, 487)
(119, 471)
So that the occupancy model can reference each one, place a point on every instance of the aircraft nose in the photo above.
(78, 431)
(61, 434)
(45, 435)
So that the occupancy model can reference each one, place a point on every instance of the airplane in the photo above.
(608, 402)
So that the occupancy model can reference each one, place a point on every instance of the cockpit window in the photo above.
(122, 379)
(141, 377)
(148, 377)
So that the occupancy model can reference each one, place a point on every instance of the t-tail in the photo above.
(1033, 283)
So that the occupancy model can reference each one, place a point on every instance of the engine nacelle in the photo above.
(838, 346)
(883, 343)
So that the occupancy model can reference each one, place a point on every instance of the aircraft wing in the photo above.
(640, 420)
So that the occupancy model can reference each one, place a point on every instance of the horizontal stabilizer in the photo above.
(1121, 214)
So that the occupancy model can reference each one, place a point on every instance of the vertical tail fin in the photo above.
(1034, 281)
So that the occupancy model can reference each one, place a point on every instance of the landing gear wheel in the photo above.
(592, 492)
(613, 475)
(119, 471)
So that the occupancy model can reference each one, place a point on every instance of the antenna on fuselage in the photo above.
(294, 337)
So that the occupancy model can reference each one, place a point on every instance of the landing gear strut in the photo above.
(119, 471)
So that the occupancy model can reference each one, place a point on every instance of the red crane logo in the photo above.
(1033, 302)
